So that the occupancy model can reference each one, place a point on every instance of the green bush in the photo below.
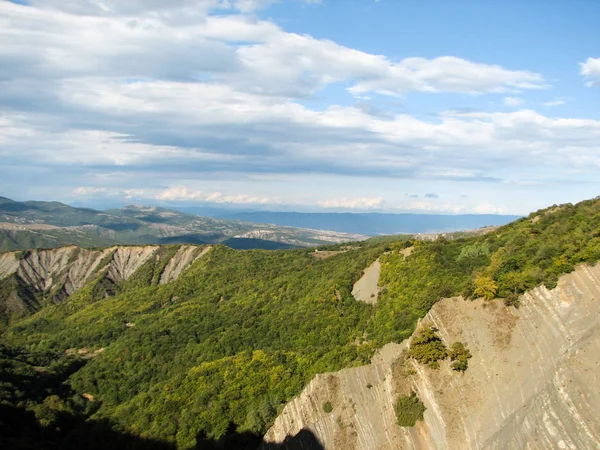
(512, 300)
(327, 407)
(427, 347)
(408, 410)
(460, 356)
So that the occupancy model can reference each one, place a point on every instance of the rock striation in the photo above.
(57, 273)
(184, 258)
(533, 381)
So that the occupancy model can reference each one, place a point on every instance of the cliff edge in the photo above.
(533, 381)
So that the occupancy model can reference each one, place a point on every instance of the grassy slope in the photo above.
(240, 333)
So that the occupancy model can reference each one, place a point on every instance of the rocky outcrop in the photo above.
(184, 258)
(68, 267)
(533, 381)
(9, 263)
(366, 288)
(58, 273)
(362, 401)
(126, 260)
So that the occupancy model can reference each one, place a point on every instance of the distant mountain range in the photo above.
(33, 224)
(370, 224)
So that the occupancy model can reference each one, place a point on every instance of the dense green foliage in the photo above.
(459, 355)
(327, 407)
(427, 347)
(409, 409)
(241, 332)
(231, 340)
(504, 263)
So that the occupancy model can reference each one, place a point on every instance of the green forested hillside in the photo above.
(241, 332)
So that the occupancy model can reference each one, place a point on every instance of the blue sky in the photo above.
(425, 106)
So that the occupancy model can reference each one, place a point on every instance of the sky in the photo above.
(333, 105)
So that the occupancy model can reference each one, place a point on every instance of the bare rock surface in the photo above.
(61, 272)
(44, 269)
(184, 258)
(533, 381)
(126, 260)
(366, 288)
(8, 264)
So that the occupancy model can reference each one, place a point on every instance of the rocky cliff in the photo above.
(533, 381)
(57, 273)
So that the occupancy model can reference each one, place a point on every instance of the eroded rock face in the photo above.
(8, 264)
(68, 266)
(126, 260)
(61, 272)
(366, 288)
(184, 258)
(533, 381)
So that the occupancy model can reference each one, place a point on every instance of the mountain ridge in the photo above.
(32, 224)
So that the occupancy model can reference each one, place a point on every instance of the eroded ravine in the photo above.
(58, 273)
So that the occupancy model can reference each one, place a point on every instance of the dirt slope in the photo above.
(533, 381)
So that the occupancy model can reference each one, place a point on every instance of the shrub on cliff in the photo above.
(408, 410)
(460, 355)
(427, 347)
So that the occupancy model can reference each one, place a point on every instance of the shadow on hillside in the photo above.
(304, 440)
(21, 430)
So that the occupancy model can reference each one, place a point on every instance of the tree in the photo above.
(485, 287)
(428, 348)
(460, 355)
(408, 410)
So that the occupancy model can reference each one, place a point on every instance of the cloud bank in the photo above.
(109, 91)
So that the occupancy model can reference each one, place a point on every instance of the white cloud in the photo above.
(448, 74)
(154, 39)
(264, 135)
(554, 103)
(144, 7)
(181, 193)
(423, 206)
(486, 208)
(590, 69)
(251, 5)
(513, 101)
(85, 191)
(353, 203)
(127, 194)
